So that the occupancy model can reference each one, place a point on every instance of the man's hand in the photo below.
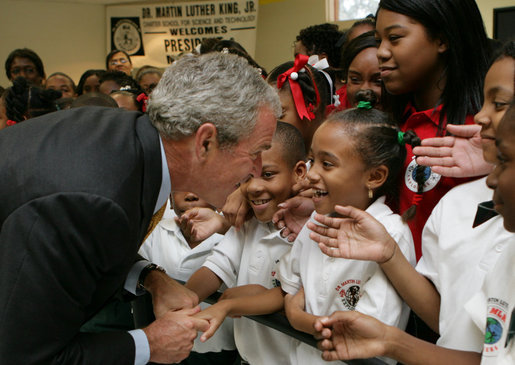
(359, 236)
(171, 336)
(350, 335)
(167, 294)
(459, 155)
(198, 224)
(292, 216)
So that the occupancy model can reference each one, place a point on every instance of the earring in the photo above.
(370, 193)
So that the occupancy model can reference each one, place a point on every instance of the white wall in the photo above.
(69, 37)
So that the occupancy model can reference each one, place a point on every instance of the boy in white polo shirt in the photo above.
(251, 255)
(181, 255)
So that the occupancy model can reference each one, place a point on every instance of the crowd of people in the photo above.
(363, 188)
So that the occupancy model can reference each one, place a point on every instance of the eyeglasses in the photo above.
(121, 60)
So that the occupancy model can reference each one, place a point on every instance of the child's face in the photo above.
(408, 58)
(62, 84)
(289, 115)
(274, 185)
(149, 81)
(91, 85)
(364, 74)
(25, 68)
(337, 174)
(183, 201)
(498, 93)
(502, 178)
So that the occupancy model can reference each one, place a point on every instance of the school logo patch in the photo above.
(275, 282)
(430, 178)
(495, 326)
(349, 291)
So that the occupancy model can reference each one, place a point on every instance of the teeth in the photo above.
(259, 202)
(319, 193)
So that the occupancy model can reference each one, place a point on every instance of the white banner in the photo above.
(155, 34)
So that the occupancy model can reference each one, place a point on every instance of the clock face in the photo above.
(126, 36)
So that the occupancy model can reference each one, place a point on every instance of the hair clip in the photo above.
(364, 105)
(10, 122)
(142, 99)
(400, 138)
(125, 88)
(292, 76)
(225, 50)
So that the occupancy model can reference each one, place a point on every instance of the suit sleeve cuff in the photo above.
(142, 352)
(131, 283)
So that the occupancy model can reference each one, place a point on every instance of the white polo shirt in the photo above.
(167, 247)
(251, 256)
(456, 258)
(333, 284)
(492, 310)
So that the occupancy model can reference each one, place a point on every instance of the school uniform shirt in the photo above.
(334, 284)
(492, 310)
(168, 248)
(251, 256)
(425, 125)
(457, 257)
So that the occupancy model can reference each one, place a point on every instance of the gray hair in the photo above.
(222, 89)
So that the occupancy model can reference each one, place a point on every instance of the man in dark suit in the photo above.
(79, 188)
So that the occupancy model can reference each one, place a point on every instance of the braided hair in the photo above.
(23, 101)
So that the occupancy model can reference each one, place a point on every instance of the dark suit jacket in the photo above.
(77, 192)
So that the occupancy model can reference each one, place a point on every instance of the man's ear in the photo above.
(377, 177)
(300, 170)
(205, 140)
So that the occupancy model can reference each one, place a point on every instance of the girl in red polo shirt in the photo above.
(433, 56)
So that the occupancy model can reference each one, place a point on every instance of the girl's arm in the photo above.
(297, 316)
(269, 301)
(203, 282)
(353, 335)
(361, 237)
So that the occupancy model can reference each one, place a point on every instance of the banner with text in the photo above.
(155, 34)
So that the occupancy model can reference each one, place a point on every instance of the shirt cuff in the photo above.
(142, 352)
(131, 283)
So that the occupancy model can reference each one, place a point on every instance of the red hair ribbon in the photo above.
(142, 99)
(292, 75)
(417, 198)
(10, 122)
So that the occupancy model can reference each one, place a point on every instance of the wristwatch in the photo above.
(146, 270)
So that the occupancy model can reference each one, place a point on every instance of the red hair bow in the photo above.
(142, 99)
(292, 75)
(10, 122)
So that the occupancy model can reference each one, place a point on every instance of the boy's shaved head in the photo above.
(291, 142)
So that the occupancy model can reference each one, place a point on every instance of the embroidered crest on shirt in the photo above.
(495, 325)
(275, 281)
(348, 291)
(430, 178)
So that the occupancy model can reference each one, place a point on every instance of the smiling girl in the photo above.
(432, 70)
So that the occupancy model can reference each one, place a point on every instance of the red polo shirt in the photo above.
(425, 125)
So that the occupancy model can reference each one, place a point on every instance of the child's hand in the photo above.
(215, 315)
(236, 209)
(292, 216)
(198, 224)
(242, 291)
(358, 237)
(294, 303)
(459, 155)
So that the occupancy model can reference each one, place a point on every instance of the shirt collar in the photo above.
(166, 184)
(432, 114)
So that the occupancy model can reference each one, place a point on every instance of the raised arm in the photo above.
(361, 237)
